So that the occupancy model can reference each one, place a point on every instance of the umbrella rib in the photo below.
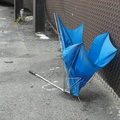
(77, 82)
(73, 61)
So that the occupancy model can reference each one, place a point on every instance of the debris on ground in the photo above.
(8, 61)
(29, 18)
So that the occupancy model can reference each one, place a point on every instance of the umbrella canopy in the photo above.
(102, 51)
(81, 64)
(69, 37)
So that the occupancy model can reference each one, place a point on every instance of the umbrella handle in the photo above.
(34, 73)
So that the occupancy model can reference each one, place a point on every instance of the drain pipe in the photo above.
(18, 5)
(39, 15)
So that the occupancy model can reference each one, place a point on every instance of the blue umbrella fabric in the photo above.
(102, 51)
(69, 37)
(81, 64)
(79, 67)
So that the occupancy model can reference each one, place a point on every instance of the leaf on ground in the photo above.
(3, 18)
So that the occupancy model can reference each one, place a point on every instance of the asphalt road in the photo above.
(26, 97)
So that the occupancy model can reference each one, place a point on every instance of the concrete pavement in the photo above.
(26, 97)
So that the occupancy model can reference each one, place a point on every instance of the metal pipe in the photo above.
(34, 73)
(52, 27)
(66, 73)
(56, 24)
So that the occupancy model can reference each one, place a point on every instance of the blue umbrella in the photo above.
(81, 64)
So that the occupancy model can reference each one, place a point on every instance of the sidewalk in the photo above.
(26, 97)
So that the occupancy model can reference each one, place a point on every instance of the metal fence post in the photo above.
(18, 4)
(39, 15)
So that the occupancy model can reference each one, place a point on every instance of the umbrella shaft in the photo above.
(34, 73)
(49, 82)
